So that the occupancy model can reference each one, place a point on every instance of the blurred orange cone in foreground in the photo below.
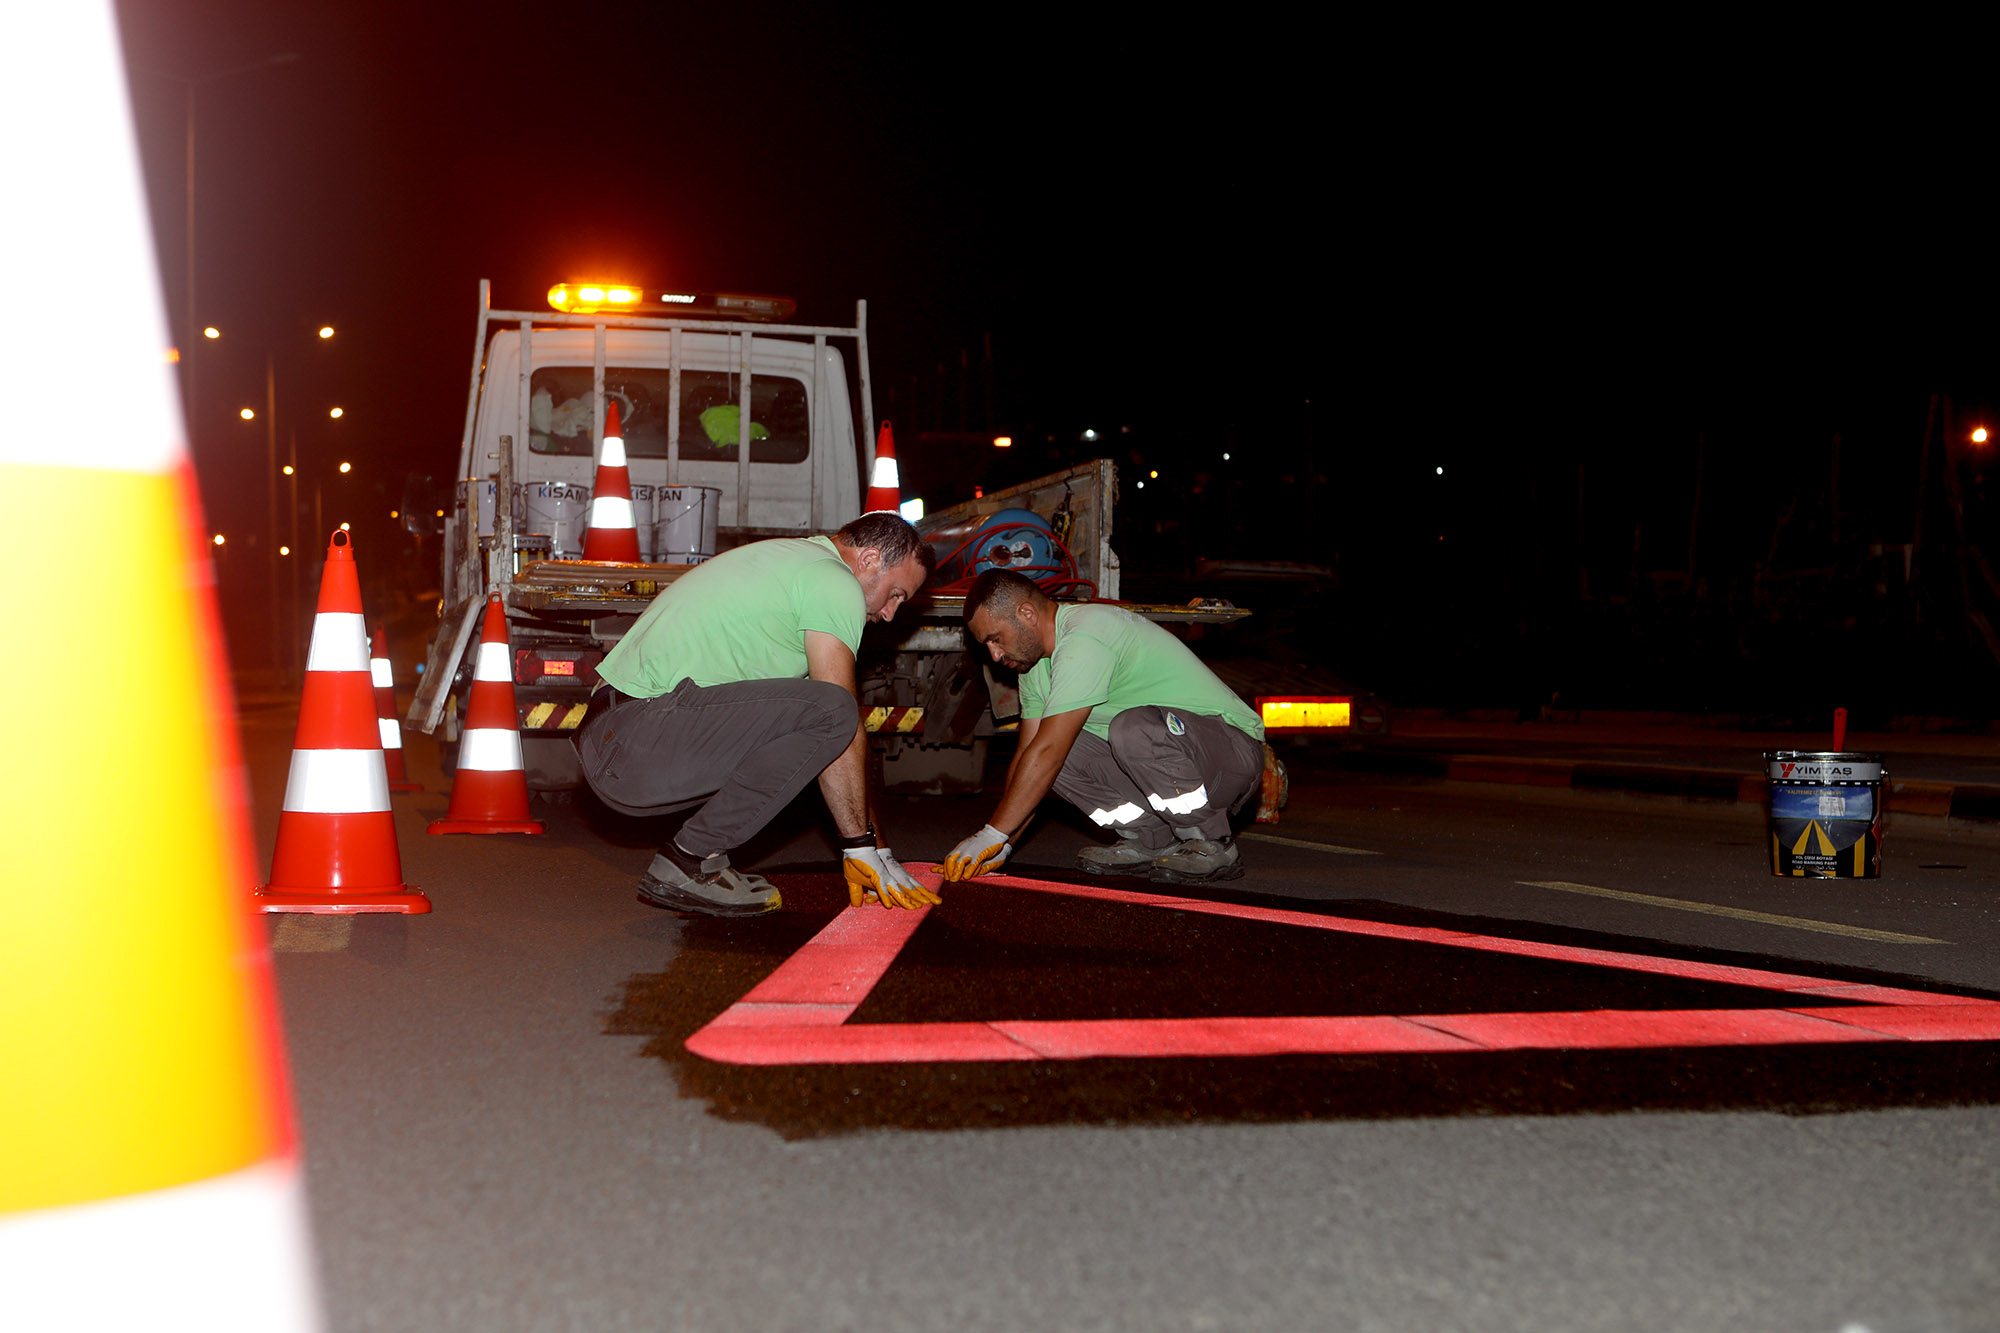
(336, 847)
(149, 1176)
(385, 713)
(613, 533)
(490, 792)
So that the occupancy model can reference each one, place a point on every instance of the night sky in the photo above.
(1347, 254)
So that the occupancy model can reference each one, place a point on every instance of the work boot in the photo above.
(708, 885)
(1199, 861)
(1127, 856)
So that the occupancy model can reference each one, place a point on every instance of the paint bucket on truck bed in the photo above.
(562, 510)
(684, 530)
(1826, 813)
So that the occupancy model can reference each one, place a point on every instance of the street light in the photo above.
(190, 83)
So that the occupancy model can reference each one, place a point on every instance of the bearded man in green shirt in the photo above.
(1119, 718)
(734, 690)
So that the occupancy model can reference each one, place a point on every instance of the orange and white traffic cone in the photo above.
(336, 848)
(612, 534)
(385, 714)
(885, 484)
(490, 792)
(149, 1173)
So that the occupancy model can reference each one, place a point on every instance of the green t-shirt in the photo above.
(741, 616)
(1108, 659)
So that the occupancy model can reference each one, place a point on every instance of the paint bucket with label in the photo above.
(684, 527)
(642, 519)
(562, 510)
(1826, 813)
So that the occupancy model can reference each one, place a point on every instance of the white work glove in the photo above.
(985, 850)
(872, 872)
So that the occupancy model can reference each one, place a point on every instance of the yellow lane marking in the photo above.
(1740, 914)
(312, 932)
(1315, 846)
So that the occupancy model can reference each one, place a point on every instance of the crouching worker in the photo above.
(1120, 719)
(733, 691)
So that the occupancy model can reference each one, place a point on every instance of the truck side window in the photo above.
(561, 410)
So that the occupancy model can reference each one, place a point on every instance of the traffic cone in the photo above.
(885, 485)
(612, 534)
(490, 792)
(336, 848)
(385, 713)
(149, 1173)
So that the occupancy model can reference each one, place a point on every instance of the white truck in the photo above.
(737, 427)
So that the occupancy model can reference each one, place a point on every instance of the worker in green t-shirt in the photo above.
(734, 690)
(1119, 718)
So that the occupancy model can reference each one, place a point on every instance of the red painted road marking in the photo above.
(798, 1015)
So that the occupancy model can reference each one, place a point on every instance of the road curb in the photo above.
(1730, 786)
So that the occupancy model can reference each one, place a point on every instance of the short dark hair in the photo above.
(892, 535)
(1002, 591)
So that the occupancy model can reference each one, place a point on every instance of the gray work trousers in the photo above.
(1163, 773)
(740, 751)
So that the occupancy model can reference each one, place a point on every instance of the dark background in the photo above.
(1695, 322)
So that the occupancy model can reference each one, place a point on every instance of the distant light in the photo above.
(395, 514)
(440, 513)
(284, 550)
(344, 527)
(218, 539)
(1979, 435)
(1090, 435)
(1155, 475)
(173, 356)
(1440, 472)
(288, 469)
(347, 467)
(1142, 485)
(326, 331)
(247, 414)
(1003, 442)
(911, 510)
(337, 413)
(211, 332)
(1225, 458)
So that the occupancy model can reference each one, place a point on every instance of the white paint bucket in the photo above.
(685, 523)
(642, 518)
(562, 510)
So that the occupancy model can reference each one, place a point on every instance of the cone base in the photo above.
(486, 826)
(328, 902)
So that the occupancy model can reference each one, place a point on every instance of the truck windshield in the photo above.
(561, 409)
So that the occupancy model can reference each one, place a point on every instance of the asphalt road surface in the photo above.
(1448, 1057)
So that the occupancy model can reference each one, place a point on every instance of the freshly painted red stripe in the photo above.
(1632, 1029)
(1925, 1022)
(1156, 1037)
(798, 1015)
(842, 963)
(744, 1014)
(1882, 995)
(1671, 967)
(857, 1043)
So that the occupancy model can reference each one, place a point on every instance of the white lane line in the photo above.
(1741, 914)
(1315, 846)
(312, 932)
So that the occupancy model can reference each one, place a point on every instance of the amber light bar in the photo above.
(1305, 712)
